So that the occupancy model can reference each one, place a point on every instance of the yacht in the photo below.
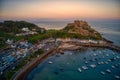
(117, 57)
(93, 65)
(107, 55)
(86, 62)
(113, 66)
(117, 77)
(103, 73)
(99, 63)
(79, 70)
(102, 62)
(50, 62)
(85, 67)
(94, 54)
(109, 60)
(107, 70)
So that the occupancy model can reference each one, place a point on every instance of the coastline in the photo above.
(21, 74)
(77, 45)
(74, 46)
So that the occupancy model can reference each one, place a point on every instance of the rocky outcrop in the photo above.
(82, 28)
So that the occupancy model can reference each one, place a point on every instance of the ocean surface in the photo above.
(65, 67)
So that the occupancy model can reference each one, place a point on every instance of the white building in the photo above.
(25, 29)
(9, 41)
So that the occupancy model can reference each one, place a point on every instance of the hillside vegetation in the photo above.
(78, 29)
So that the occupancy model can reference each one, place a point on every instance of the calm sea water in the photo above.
(109, 29)
(65, 67)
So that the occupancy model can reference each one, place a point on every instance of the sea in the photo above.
(70, 65)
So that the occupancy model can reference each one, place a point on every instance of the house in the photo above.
(9, 41)
(25, 29)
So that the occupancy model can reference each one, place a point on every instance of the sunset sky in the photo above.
(58, 9)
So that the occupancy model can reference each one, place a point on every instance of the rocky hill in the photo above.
(82, 28)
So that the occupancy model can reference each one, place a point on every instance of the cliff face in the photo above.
(82, 28)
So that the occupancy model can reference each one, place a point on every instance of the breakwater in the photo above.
(110, 46)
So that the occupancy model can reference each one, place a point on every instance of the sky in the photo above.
(59, 9)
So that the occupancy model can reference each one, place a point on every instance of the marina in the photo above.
(80, 63)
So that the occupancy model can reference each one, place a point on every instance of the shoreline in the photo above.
(22, 73)
(76, 46)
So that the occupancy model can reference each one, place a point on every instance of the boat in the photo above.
(94, 54)
(113, 66)
(106, 62)
(79, 70)
(86, 62)
(103, 73)
(57, 55)
(117, 57)
(117, 77)
(85, 67)
(93, 65)
(102, 62)
(107, 70)
(113, 53)
(50, 62)
(98, 63)
(107, 55)
(109, 60)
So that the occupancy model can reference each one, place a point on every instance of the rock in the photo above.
(82, 28)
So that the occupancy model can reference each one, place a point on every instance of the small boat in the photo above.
(94, 54)
(107, 55)
(79, 70)
(107, 70)
(117, 57)
(109, 60)
(117, 77)
(50, 62)
(57, 55)
(85, 67)
(102, 62)
(93, 65)
(106, 62)
(86, 62)
(113, 53)
(113, 66)
(103, 73)
(99, 63)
